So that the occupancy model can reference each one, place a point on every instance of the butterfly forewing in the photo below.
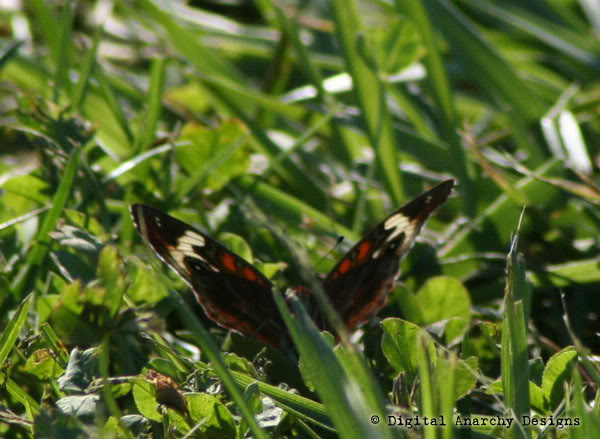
(359, 284)
(232, 292)
(237, 296)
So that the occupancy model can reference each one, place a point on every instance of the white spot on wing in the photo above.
(408, 229)
(191, 238)
(178, 257)
(398, 224)
(185, 248)
(396, 221)
(401, 224)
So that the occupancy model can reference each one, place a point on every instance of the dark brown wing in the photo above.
(233, 293)
(358, 286)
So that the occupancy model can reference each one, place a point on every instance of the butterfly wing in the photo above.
(358, 286)
(232, 292)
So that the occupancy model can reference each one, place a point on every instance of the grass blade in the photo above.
(210, 349)
(154, 104)
(515, 365)
(63, 56)
(273, 199)
(344, 401)
(428, 405)
(36, 256)
(13, 329)
(188, 44)
(86, 71)
(442, 91)
(560, 38)
(370, 95)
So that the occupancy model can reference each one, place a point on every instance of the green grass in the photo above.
(241, 119)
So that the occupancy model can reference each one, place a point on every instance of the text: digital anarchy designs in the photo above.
(480, 421)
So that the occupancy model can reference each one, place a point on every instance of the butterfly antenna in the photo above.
(338, 241)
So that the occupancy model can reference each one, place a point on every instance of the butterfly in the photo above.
(237, 296)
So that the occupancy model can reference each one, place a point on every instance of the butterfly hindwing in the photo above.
(232, 292)
(359, 284)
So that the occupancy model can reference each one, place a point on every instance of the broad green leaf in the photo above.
(465, 375)
(212, 157)
(557, 371)
(144, 395)
(81, 370)
(538, 400)
(83, 407)
(146, 285)
(253, 397)
(216, 420)
(400, 344)
(237, 244)
(445, 298)
(42, 364)
(239, 364)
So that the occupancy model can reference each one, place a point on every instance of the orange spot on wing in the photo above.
(345, 266)
(229, 262)
(363, 250)
(249, 273)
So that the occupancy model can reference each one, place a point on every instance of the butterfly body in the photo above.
(237, 296)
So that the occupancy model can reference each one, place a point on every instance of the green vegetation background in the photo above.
(276, 127)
